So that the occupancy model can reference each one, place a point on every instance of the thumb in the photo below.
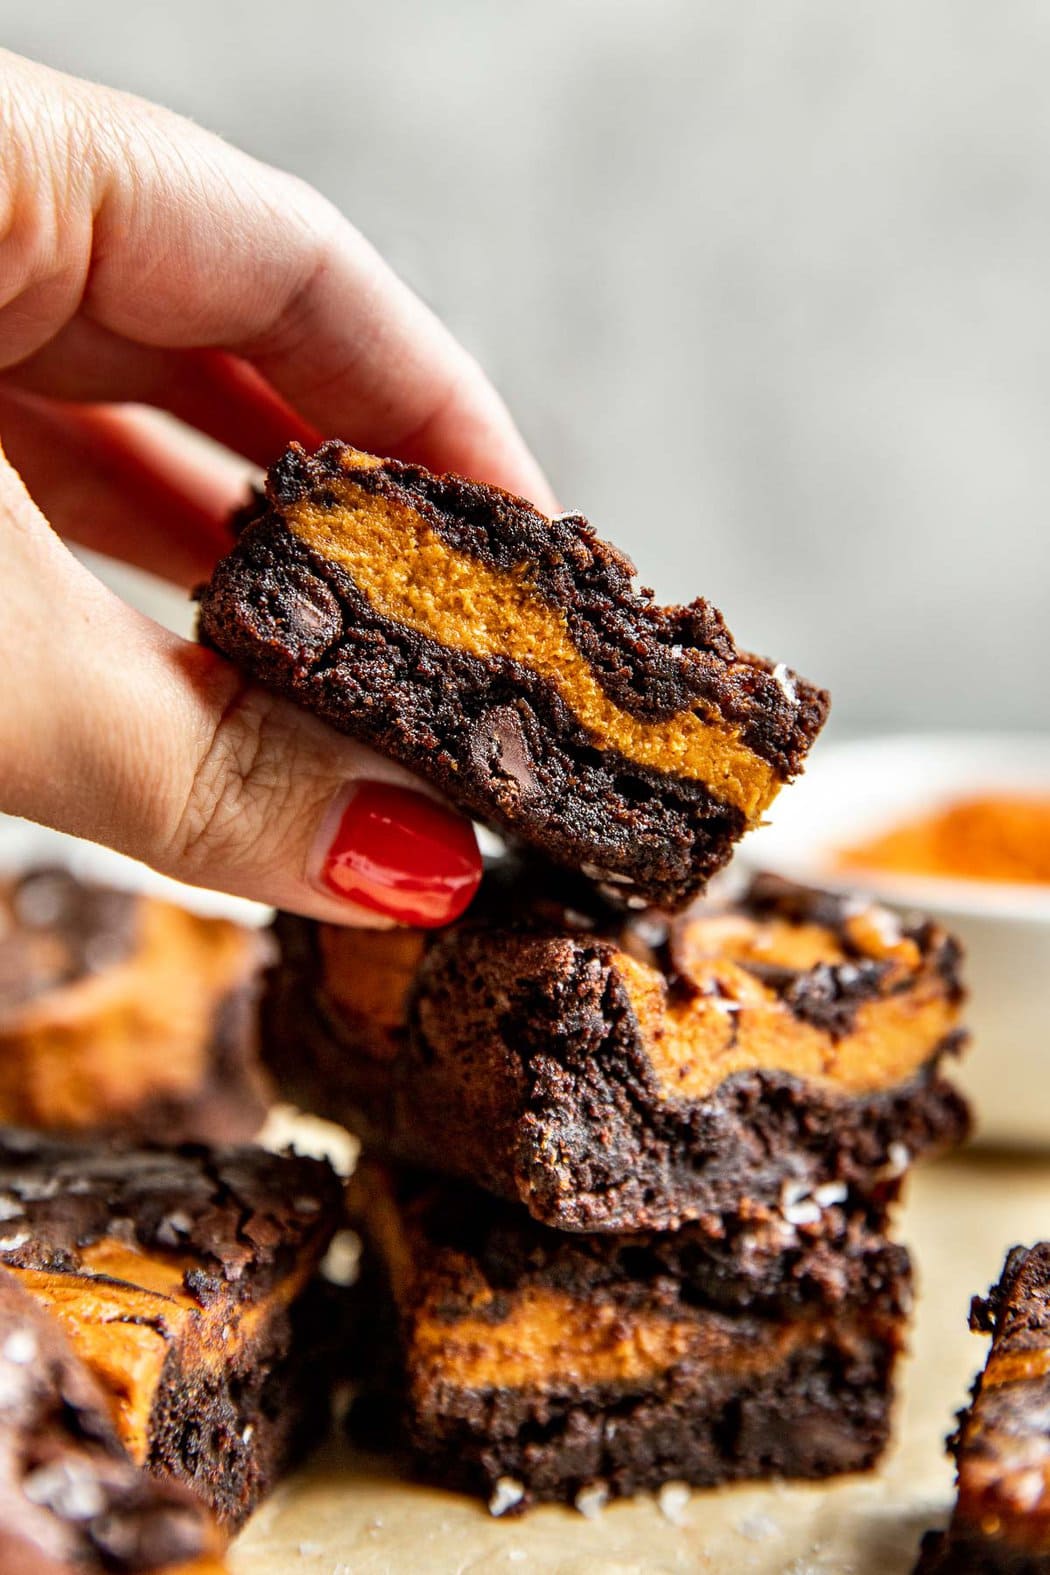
(115, 730)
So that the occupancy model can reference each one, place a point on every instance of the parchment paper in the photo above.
(349, 1513)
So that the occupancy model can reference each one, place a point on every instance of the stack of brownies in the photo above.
(628, 1219)
(628, 1163)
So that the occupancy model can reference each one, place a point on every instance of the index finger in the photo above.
(191, 243)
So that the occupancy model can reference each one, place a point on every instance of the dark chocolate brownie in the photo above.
(1001, 1521)
(184, 1278)
(125, 1013)
(510, 660)
(626, 1074)
(71, 1499)
(528, 1364)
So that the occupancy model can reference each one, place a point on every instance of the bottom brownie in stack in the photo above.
(530, 1364)
(185, 1279)
(71, 1500)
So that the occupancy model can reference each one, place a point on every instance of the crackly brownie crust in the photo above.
(184, 1277)
(532, 1048)
(123, 1013)
(541, 1365)
(70, 1497)
(493, 730)
(1001, 1520)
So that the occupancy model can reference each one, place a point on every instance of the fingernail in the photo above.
(400, 853)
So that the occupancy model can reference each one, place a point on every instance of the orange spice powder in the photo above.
(1004, 838)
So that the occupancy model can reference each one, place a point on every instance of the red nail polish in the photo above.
(400, 853)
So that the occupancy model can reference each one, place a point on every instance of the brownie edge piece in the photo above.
(616, 1072)
(1001, 1520)
(510, 660)
(72, 1501)
(186, 1280)
(122, 1012)
(533, 1365)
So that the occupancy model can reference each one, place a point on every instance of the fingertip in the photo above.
(542, 497)
(395, 853)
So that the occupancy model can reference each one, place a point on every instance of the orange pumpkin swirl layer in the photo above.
(123, 1011)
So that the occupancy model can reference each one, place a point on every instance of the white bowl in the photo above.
(852, 791)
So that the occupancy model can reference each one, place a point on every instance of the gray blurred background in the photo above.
(768, 286)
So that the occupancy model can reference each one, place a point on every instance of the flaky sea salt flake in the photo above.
(591, 1500)
(783, 678)
(805, 1213)
(342, 1262)
(505, 1495)
(20, 1347)
(673, 1499)
(898, 1158)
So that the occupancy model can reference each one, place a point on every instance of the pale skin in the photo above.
(143, 259)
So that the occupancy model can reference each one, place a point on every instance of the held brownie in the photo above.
(618, 1074)
(1001, 1520)
(530, 1364)
(121, 1011)
(183, 1278)
(509, 659)
(71, 1500)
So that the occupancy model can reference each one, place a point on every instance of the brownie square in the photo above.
(1001, 1521)
(185, 1279)
(630, 1073)
(121, 1012)
(71, 1499)
(527, 1364)
(510, 660)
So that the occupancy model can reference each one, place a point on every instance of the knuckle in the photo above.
(317, 236)
(236, 790)
(45, 213)
(318, 218)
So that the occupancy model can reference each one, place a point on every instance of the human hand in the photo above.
(144, 260)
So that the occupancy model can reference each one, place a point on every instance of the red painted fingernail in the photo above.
(402, 854)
